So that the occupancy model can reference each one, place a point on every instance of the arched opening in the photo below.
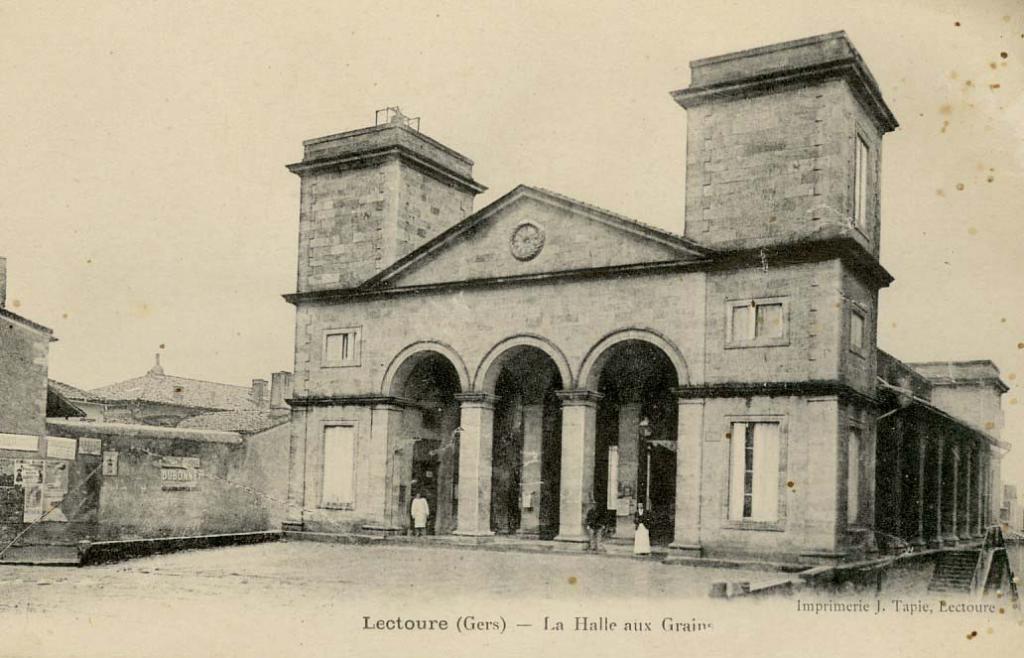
(527, 446)
(635, 452)
(424, 450)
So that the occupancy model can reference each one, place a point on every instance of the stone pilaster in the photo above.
(579, 436)
(384, 422)
(475, 446)
(294, 517)
(689, 446)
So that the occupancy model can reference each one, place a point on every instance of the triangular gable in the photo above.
(531, 231)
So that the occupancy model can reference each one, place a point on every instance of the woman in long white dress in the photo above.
(642, 537)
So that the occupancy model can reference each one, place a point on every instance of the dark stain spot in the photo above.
(994, 85)
(572, 580)
(728, 435)
(1004, 54)
(946, 109)
(992, 65)
(990, 178)
(960, 187)
(939, 192)
(957, 24)
(1002, 611)
(791, 484)
(162, 346)
(972, 635)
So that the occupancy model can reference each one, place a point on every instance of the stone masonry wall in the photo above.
(812, 291)
(23, 378)
(775, 168)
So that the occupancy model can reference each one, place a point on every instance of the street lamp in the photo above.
(645, 432)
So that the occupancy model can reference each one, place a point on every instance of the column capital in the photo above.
(578, 397)
(476, 399)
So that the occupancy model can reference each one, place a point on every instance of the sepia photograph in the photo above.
(356, 328)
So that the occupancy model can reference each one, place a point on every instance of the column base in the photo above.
(934, 542)
(530, 533)
(573, 539)
(686, 549)
(917, 542)
(949, 539)
(473, 533)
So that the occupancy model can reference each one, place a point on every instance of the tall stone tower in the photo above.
(370, 196)
(784, 145)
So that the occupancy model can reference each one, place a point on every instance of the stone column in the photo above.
(922, 453)
(949, 531)
(529, 486)
(629, 463)
(940, 456)
(475, 446)
(979, 489)
(294, 516)
(689, 447)
(579, 436)
(965, 488)
(385, 419)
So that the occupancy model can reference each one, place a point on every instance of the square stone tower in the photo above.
(784, 145)
(370, 196)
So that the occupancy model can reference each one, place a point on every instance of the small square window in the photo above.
(341, 347)
(856, 331)
(757, 322)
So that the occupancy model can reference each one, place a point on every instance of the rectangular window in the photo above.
(339, 467)
(341, 347)
(853, 477)
(860, 183)
(756, 322)
(856, 330)
(754, 472)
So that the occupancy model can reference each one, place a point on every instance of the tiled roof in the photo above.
(72, 392)
(179, 391)
(245, 422)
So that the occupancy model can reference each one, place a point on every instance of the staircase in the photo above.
(954, 572)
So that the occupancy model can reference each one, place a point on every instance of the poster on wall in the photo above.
(58, 447)
(110, 463)
(55, 488)
(22, 442)
(90, 446)
(28, 473)
(179, 473)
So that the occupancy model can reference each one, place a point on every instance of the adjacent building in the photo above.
(157, 398)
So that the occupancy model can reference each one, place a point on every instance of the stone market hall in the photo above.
(521, 362)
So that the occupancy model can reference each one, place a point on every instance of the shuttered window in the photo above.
(754, 472)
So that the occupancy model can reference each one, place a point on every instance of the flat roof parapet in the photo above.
(792, 63)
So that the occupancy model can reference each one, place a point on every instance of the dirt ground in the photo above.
(311, 599)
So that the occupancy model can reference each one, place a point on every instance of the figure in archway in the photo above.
(423, 457)
(635, 458)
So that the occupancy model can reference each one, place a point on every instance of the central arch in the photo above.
(523, 373)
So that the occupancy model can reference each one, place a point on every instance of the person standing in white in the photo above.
(420, 511)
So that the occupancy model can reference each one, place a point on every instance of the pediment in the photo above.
(532, 232)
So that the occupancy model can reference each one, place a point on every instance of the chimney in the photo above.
(157, 369)
(3, 281)
(280, 390)
(259, 393)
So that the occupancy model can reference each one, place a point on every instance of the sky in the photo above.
(145, 206)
